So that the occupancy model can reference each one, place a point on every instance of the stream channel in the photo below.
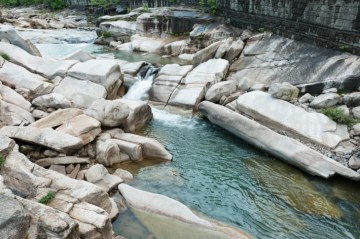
(220, 176)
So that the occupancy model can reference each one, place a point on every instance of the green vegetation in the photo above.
(5, 56)
(47, 198)
(338, 115)
(107, 34)
(145, 7)
(52, 4)
(210, 6)
(104, 3)
(2, 161)
(343, 47)
(179, 34)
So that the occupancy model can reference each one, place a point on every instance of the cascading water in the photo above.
(139, 90)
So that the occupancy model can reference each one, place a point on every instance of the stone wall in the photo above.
(330, 23)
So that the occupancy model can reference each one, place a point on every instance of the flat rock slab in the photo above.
(18, 77)
(46, 162)
(283, 147)
(45, 137)
(168, 218)
(57, 118)
(284, 116)
(81, 93)
(47, 67)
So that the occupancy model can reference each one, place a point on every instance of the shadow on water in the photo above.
(223, 177)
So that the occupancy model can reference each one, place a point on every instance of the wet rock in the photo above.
(79, 55)
(57, 118)
(83, 127)
(126, 176)
(12, 36)
(139, 115)
(352, 99)
(99, 176)
(282, 147)
(52, 100)
(282, 115)
(151, 148)
(325, 101)
(81, 93)
(166, 211)
(111, 113)
(45, 137)
(283, 91)
(216, 91)
(47, 67)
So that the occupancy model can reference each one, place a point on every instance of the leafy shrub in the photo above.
(2, 161)
(47, 198)
(145, 7)
(5, 56)
(104, 3)
(106, 34)
(213, 6)
(338, 115)
(52, 4)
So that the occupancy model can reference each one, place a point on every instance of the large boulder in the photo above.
(9, 34)
(267, 56)
(45, 137)
(193, 87)
(81, 126)
(139, 115)
(103, 72)
(172, 219)
(352, 99)
(10, 96)
(206, 53)
(79, 55)
(284, 116)
(218, 90)
(119, 30)
(47, 67)
(280, 146)
(234, 50)
(284, 91)
(18, 77)
(151, 148)
(81, 93)
(52, 100)
(110, 113)
(166, 82)
(99, 176)
(14, 219)
(14, 115)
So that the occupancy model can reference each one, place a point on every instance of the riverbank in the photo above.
(173, 87)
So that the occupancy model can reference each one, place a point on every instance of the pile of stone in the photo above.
(62, 123)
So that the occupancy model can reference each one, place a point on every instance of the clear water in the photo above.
(223, 177)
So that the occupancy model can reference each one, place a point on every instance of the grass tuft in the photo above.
(5, 56)
(2, 161)
(339, 116)
(47, 198)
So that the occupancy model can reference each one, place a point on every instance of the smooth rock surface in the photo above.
(325, 101)
(99, 176)
(52, 100)
(283, 91)
(57, 118)
(282, 115)
(282, 147)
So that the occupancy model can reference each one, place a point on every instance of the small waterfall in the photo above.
(145, 77)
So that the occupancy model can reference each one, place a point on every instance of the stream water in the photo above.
(221, 176)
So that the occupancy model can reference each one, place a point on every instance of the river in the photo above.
(224, 178)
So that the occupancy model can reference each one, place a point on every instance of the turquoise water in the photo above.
(224, 178)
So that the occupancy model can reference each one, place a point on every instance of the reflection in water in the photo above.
(226, 179)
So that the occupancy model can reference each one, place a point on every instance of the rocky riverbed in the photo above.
(68, 122)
